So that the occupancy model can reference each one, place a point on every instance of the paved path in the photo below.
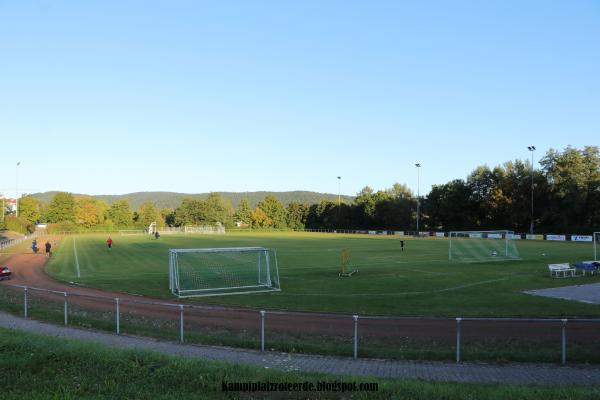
(589, 293)
(546, 374)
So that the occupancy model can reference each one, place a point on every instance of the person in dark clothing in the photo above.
(402, 245)
(156, 235)
(48, 247)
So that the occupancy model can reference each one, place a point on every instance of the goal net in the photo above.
(222, 271)
(596, 245)
(482, 246)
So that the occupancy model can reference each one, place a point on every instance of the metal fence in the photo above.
(261, 326)
(12, 242)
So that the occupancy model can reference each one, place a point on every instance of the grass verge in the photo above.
(37, 367)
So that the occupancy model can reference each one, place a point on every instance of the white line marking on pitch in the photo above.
(76, 259)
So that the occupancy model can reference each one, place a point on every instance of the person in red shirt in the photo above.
(109, 242)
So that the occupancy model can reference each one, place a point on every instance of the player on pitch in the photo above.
(109, 242)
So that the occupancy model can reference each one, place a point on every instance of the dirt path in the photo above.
(28, 269)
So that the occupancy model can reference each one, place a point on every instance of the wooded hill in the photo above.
(173, 199)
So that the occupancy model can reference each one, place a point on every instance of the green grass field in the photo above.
(418, 281)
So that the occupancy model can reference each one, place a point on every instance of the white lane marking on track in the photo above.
(76, 258)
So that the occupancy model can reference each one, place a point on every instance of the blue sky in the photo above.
(112, 97)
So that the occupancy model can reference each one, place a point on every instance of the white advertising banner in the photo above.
(494, 235)
(556, 237)
(439, 234)
(475, 235)
(534, 237)
(580, 238)
(372, 232)
(515, 236)
(401, 233)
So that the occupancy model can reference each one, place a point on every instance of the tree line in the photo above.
(566, 198)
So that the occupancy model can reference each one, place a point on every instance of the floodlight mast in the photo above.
(532, 150)
(418, 165)
(17, 186)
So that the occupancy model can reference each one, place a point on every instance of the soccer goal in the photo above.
(222, 271)
(482, 246)
(596, 245)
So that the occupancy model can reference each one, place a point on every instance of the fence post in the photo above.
(25, 302)
(564, 341)
(118, 317)
(458, 339)
(355, 317)
(66, 310)
(262, 330)
(181, 323)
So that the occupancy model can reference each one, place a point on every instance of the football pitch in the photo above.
(417, 281)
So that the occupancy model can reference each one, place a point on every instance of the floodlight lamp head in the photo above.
(339, 177)
(531, 148)
(418, 165)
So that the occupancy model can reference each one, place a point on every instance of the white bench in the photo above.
(561, 270)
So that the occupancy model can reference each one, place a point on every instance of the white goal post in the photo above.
(482, 246)
(222, 271)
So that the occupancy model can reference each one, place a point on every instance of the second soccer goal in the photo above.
(482, 246)
(222, 271)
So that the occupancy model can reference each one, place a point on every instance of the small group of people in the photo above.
(47, 246)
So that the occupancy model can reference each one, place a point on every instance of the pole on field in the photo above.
(418, 165)
(458, 340)
(66, 310)
(25, 302)
(564, 342)
(531, 149)
(118, 317)
(181, 323)
(355, 317)
(262, 330)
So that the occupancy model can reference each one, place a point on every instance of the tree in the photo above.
(365, 207)
(191, 212)
(149, 214)
(218, 210)
(296, 215)
(275, 210)
(61, 208)
(87, 211)
(30, 209)
(168, 215)
(260, 219)
(242, 212)
(120, 213)
(573, 178)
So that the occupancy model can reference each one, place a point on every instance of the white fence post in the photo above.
(458, 320)
(117, 316)
(66, 311)
(564, 341)
(262, 330)
(355, 317)
(181, 323)
(25, 302)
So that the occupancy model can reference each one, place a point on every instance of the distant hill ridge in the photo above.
(173, 199)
